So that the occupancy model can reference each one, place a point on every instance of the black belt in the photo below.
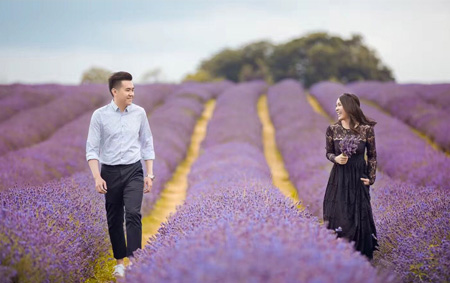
(120, 165)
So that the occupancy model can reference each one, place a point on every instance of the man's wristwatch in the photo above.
(152, 177)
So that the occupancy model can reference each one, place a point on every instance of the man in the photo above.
(119, 136)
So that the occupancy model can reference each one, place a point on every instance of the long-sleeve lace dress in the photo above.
(346, 205)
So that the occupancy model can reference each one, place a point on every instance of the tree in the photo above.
(95, 75)
(320, 56)
(309, 59)
(227, 63)
(246, 63)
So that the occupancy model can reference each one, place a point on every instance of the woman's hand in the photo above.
(365, 181)
(341, 159)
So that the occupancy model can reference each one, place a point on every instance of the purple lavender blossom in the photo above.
(19, 97)
(299, 132)
(411, 219)
(424, 107)
(53, 232)
(56, 231)
(62, 154)
(37, 124)
(349, 144)
(233, 217)
(401, 154)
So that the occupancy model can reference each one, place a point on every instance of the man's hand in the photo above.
(341, 159)
(148, 183)
(100, 185)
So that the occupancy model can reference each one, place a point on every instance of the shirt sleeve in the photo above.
(146, 139)
(371, 155)
(330, 154)
(94, 138)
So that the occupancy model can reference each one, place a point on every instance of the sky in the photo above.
(56, 41)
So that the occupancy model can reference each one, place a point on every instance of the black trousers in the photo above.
(125, 185)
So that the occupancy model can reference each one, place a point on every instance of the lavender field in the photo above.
(234, 225)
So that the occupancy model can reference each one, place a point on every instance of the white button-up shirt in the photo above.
(119, 137)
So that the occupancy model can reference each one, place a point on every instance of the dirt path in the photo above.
(174, 192)
(280, 175)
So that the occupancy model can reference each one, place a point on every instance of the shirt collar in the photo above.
(116, 108)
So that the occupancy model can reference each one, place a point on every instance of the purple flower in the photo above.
(401, 153)
(233, 216)
(412, 234)
(349, 144)
(61, 225)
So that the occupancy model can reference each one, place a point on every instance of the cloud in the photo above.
(30, 66)
(413, 41)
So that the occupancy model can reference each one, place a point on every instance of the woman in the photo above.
(346, 205)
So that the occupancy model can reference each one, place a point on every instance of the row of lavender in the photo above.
(38, 123)
(235, 226)
(299, 134)
(436, 94)
(401, 154)
(57, 231)
(409, 103)
(172, 126)
(411, 219)
(18, 97)
(63, 153)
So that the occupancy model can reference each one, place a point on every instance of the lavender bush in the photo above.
(300, 137)
(411, 220)
(172, 126)
(19, 97)
(409, 103)
(226, 117)
(54, 232)
(413, 230)
(233, 217)
(437, 94)
(203, 91)
(401, 153)
(57, 231)
(64, 152)
(37, 124)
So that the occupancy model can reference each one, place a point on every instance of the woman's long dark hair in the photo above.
(352, 106)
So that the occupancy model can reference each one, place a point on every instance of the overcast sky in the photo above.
(55, 41)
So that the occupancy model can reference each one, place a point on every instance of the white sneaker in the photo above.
(119, 270)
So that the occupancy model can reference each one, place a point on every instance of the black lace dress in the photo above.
(346, 205)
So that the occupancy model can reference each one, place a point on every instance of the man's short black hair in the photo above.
(116, 80)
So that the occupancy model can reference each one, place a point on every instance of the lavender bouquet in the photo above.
(349, 144)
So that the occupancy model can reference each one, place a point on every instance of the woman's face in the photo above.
(342, 115)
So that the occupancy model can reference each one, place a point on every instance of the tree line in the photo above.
(309, 59)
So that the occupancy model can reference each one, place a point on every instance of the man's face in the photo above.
(124, 94)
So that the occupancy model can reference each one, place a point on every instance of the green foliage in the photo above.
(309, 59)
(244, 64)
(95, 75)
(201, 76)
